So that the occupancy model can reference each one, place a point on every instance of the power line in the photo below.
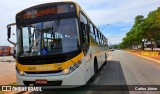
(104, 26)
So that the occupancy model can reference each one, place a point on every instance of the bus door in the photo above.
(85, 40)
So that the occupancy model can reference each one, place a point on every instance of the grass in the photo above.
(1, 92)
(14, 83)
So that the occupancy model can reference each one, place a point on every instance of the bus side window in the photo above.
(84, 22)
(97, 36)
(100, 38)
(92, 34)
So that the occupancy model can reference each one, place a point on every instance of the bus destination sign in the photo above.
(47, 11)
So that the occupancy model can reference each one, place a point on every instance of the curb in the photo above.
(151, 59)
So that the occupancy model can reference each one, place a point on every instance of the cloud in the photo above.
(102, 12)
(122, 11)
(115, 39)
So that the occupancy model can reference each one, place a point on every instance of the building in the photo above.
(5, 50)
(155, 45)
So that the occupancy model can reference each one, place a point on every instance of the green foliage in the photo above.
(143, 28)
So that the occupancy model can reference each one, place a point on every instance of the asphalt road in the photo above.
(122, 69)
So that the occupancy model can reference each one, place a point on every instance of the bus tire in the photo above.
(95, 68)
(95, 65)
(105, 59)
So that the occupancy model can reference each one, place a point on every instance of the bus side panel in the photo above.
(89, 67)
(78, 76)
(101, 55)
(90, 62)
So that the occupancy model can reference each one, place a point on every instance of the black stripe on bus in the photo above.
(47, 59)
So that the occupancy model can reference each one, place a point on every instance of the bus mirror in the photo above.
(9, 29)
(9, 32)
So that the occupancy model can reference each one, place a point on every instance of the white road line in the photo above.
(97, 79)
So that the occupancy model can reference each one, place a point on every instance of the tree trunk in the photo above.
(151, 45)
(134, 46)
(131, 46)
(142, 45)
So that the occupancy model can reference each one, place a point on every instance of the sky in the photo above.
(117, 16)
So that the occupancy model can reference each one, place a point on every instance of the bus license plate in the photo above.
(41, 81)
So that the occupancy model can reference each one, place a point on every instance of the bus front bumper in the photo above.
(74, 79)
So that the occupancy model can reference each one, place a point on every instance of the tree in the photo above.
(133, 37)
(143, 28)
(151, 27)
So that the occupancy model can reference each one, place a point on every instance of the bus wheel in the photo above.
(95, 65)
(105, 59)
(95, 70)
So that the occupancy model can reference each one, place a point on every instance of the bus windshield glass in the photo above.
(48, 38)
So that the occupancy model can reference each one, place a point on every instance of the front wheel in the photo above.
(95, 70)
(95, 66)
(105, 58)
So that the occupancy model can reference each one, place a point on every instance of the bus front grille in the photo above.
(45, 72)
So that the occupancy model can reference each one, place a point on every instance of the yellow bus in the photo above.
(57, 44)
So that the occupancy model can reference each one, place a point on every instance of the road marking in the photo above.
(97, 79)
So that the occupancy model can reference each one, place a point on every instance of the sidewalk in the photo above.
(7, 59)
(152, 57)
(7, 71)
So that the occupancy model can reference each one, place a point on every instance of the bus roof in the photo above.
(45, 4)
(61, 2)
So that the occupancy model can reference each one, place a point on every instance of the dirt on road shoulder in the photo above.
(147, 53)
(7, 72)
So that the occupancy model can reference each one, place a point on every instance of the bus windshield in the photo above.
(47, 38)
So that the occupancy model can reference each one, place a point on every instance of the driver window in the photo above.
(83, 19)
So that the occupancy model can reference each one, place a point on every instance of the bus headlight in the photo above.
(72, 68)
(66, 71)
(21, 72)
